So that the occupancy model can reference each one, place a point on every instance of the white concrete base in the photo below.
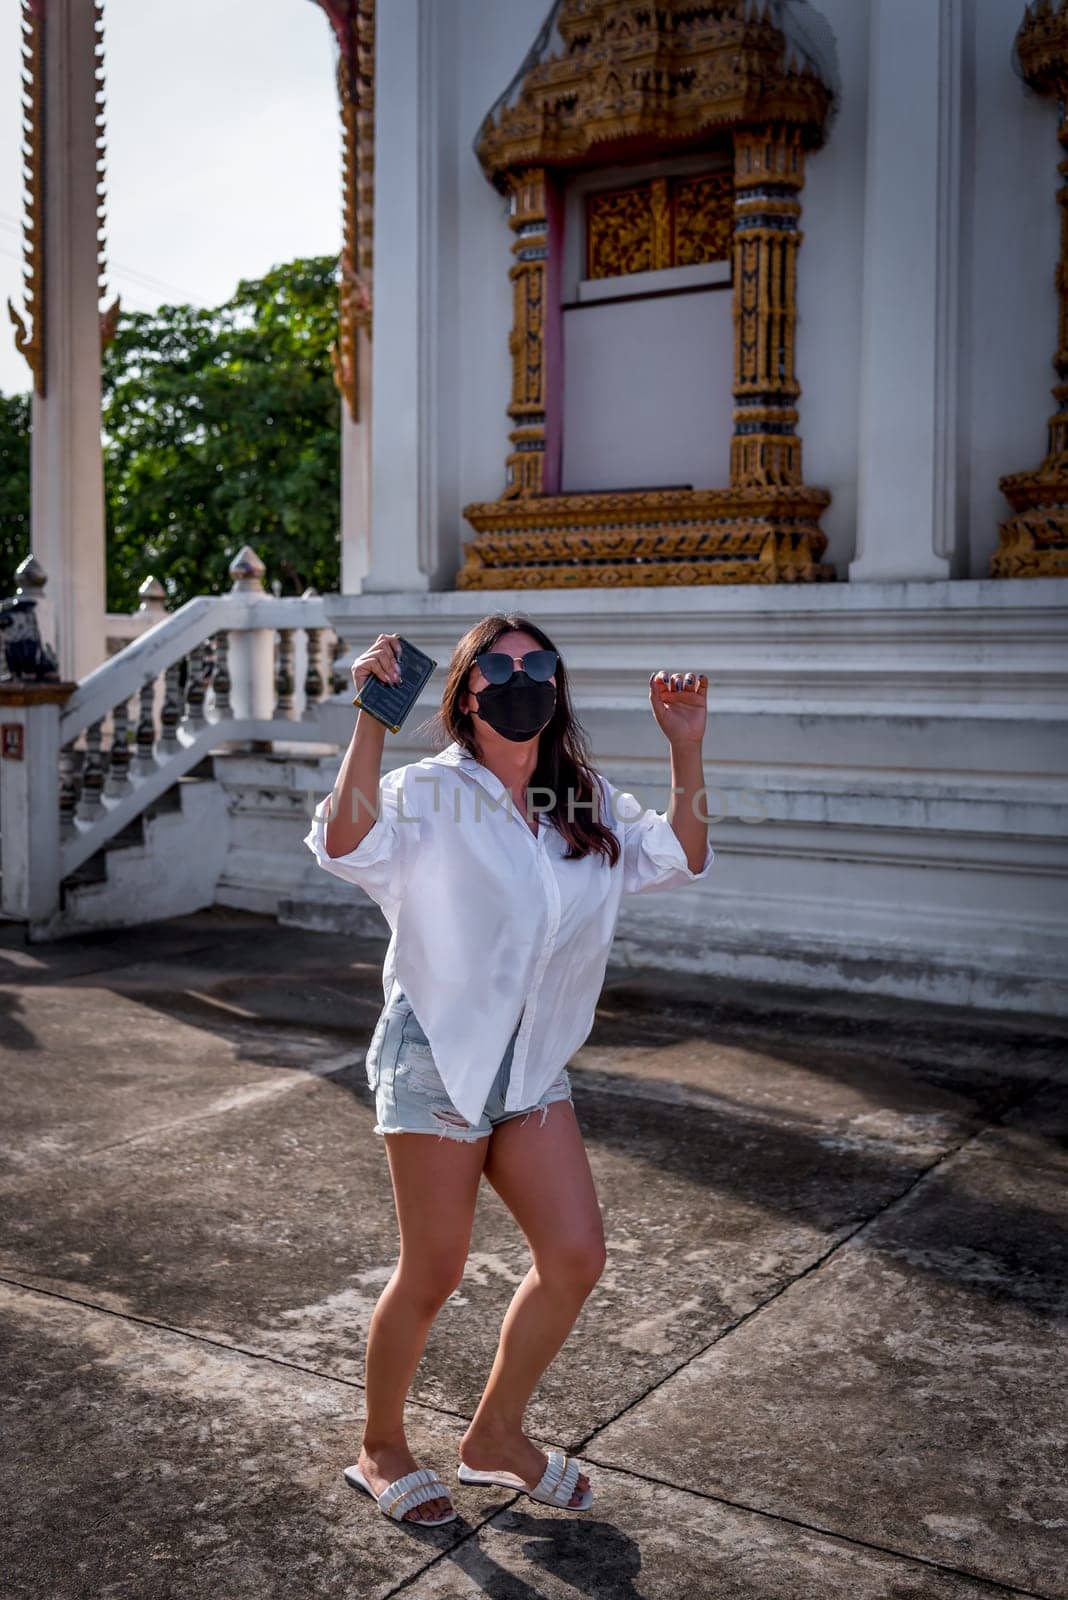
(888, 763)
(886, 766)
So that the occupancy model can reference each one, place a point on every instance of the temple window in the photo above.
(647, 331)
(653, 157)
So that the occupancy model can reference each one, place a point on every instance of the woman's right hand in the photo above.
(379, 660)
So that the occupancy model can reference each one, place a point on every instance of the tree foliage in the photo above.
(14, 486)
(221, 429)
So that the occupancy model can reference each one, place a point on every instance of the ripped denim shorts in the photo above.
(410, 1096)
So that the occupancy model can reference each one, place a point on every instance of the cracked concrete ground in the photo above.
(826, 1357)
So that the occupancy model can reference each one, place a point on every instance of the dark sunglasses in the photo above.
(496, 667)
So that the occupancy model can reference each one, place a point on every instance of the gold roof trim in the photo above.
(636, 78)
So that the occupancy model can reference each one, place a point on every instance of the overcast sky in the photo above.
(223, 149)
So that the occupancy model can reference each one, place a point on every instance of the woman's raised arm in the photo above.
(353, 804)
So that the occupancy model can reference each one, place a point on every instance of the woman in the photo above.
(499, 864)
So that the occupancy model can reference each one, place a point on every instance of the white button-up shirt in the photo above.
(490, 924)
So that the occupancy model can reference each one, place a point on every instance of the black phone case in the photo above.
(391, 702)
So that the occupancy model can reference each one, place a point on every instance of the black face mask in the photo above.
(519, 708)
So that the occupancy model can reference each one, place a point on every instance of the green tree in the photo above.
(14, 486)
(221, 428)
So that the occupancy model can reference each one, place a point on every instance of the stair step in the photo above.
(170, 800)
(92, 871)
(132, 836)
(205, 768)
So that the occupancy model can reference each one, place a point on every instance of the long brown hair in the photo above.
(563, 766)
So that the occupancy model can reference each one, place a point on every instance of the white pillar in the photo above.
(30, 844)
(403, 453)
(67, 472)
(358, 23)
(356, 477)
(910, 505)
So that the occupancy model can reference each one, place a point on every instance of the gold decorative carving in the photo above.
(353, 22)
(663, 231)
(619, 232)
(651, 538)
(635, 82)
(1033, 542)
(109, 322)
(30, 328)
(109, 319)
(528, 219)
(768, 175)
(665, 222)
(635, 76)
(703, 213)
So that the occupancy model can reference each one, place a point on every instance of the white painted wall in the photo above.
(829, 266)
(504, 30)
(647, 398)
(1011, 322)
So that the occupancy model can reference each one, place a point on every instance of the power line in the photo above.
(145, 305)
(144, 280)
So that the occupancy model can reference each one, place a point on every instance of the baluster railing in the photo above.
(118, 764)
(93, 773)
(70, 786)
(284, 708)
(145, 761)
(339, 678)
(219, 673)
(221, 682)
(314, 686)
(195, 690)
(171, 710)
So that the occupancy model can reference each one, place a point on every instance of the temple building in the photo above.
(727, 335)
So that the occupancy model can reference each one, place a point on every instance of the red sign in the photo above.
(11, 740)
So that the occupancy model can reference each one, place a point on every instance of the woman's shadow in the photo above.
(589, 1556)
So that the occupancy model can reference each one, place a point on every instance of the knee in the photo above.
(428, 1285)
(575, 1263)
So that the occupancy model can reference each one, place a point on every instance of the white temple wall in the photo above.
(1011, 321)
(829, 286)
(902, 729)
(505, 30)
(457, 288)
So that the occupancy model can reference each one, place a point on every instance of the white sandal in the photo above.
(405, 1493)
(554, 1488)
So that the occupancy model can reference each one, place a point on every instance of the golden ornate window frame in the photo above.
(634, 83)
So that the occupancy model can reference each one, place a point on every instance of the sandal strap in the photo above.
(411, 1490)
(566, 1487)
(558, 1481)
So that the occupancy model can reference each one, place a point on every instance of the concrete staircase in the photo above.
(269, 801)
(164, 863)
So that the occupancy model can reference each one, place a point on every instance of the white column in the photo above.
(910, 505)
(356, 436)
(67, 473)
(30, 844)
(400, 425)
(356, 477)
(414, 312)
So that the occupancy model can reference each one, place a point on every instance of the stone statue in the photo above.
(23, 653)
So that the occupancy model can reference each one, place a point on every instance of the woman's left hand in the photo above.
(680, 704)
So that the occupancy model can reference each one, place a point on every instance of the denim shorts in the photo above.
(410, 1096)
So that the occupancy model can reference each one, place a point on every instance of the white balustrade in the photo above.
(223, 671)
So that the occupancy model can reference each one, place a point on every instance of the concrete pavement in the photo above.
(824, 1358)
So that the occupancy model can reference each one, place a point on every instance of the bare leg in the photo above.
(542, 1174)
(435, 1187)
